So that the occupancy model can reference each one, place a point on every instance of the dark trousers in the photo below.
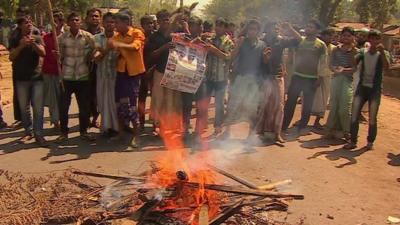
(219, 89)
(373, 97)
(93, 93)
(81, 89)
(297, 86)
(187, 103)
(145, 87)
(17, 111)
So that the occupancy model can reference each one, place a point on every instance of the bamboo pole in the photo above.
(54, 32)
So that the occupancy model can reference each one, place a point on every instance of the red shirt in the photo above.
(50, 62)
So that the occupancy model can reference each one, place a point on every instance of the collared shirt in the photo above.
(106, 67)
(98, 30)
(75, 53)
(217, 68)
(131, 60)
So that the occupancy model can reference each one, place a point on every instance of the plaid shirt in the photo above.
(217, 68)
(106, 67)
(75, 52)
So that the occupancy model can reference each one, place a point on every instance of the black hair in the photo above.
(270, 24)
(92, 10)
(108, 15)
(58, 14)
(208, 25)
(22, 20)
(195, 20)
(73, 15)
(315, 23)
(328, 32)
(349, 30)
(23, 9)
(162, 14)
(221, 21)
(374, 34)
(126, 11)
(255, 22)
(123, 17)
(146, 19)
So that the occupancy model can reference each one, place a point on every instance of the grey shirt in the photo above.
(250, 58)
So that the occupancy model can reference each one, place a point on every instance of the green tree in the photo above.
(288, 10)
(378, 12)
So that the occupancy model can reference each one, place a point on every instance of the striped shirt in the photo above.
(343, 58)
(309, 56)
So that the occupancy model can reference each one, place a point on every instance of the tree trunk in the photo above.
(328, 11)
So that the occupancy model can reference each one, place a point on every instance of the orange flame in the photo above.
(196, 170)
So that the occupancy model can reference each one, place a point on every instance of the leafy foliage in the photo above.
(377, 11)
(296, 11)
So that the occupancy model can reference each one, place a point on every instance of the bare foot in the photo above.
(279, 139)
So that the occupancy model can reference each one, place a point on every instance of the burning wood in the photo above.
(183, 200)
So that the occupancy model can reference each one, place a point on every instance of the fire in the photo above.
(177, 169)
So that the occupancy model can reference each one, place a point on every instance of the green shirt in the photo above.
(308, 57)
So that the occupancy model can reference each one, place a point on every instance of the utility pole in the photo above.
(181, 3)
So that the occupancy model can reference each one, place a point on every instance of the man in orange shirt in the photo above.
(129, 42)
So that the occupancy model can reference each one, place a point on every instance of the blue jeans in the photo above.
(299, 85)
(218, 88)
(31, 93)
(373, 97)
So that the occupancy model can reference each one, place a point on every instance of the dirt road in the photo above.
(340, 187)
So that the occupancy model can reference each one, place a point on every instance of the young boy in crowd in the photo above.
(374, 61)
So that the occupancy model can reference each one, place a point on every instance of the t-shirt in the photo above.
(308, 57)
(156, 40)
(370, 62)
(27, 65)
(345, 59)
(277, 45)
(50, 61)
(250, 58)
(367, 60)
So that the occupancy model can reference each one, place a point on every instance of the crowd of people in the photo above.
(257, 74)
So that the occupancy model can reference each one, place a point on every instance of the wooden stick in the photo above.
(203, 215)
(243, 191)
(57, 47)
(233, 177)
(114, 177)
(228, 213)
(274, 185)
